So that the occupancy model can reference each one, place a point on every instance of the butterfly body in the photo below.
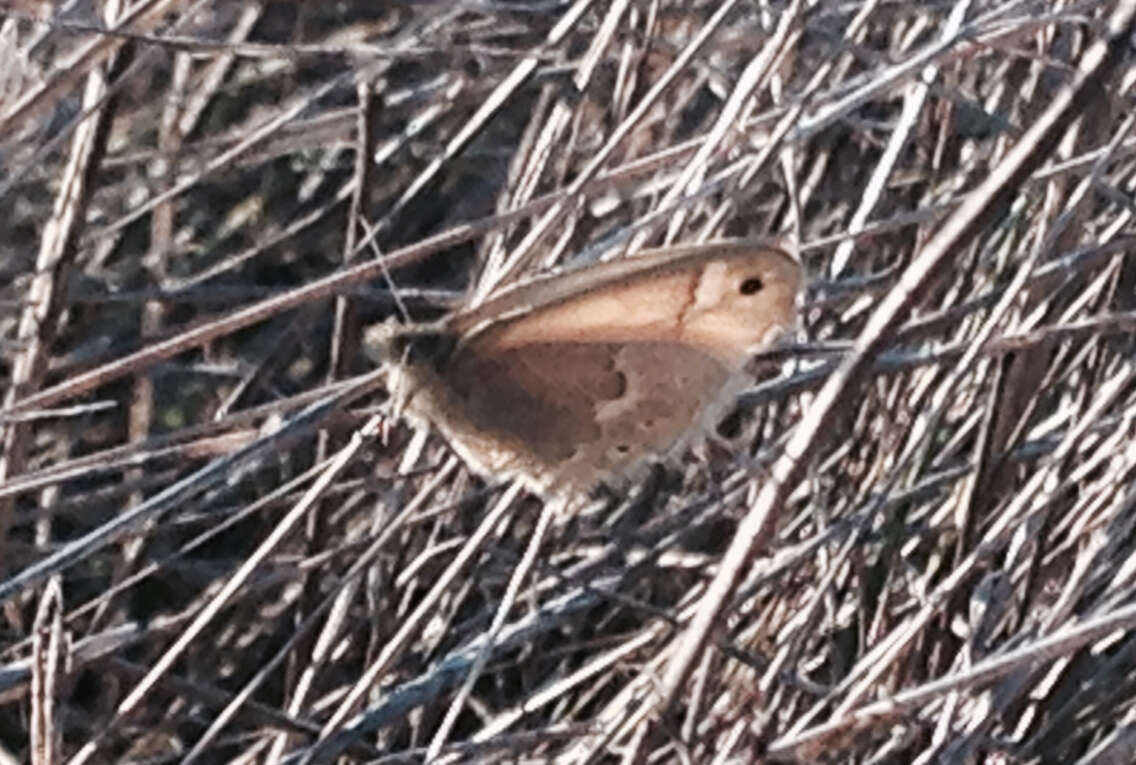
(572, 379)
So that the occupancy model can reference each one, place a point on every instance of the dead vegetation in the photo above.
(915, 544)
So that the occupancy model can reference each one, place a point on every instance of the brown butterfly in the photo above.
(573, 378)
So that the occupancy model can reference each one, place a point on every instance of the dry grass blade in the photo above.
(914, 540)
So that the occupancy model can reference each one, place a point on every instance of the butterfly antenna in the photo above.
(398, 304)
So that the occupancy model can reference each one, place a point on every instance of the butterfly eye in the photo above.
(751, 286)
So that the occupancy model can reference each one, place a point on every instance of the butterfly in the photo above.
(573, 378)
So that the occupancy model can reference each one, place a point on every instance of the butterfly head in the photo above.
(391, 342)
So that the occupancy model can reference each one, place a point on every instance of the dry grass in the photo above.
(917, 544)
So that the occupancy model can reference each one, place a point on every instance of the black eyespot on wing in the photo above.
(751, 286)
